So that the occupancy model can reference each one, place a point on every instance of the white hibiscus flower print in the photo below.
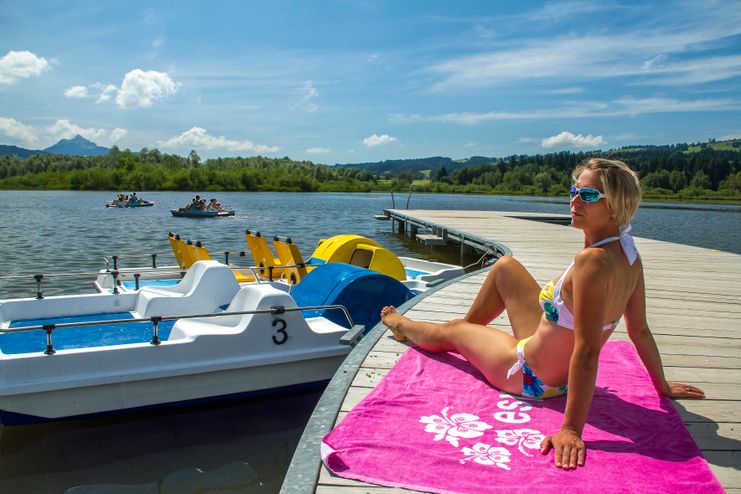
(523, 438)
(485, 454)
(451, 427)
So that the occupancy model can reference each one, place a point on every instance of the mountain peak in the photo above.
(77, 146)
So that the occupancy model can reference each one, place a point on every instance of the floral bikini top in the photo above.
(553, 304)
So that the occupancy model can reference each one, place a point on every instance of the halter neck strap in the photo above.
(626, 242)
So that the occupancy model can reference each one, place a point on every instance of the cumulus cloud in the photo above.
(17, 130)
(376, 140)
(76, 92)
(64, 129)
(142, 88)
(317, 150)
(567, 139)
(197, 137)
(18, 65)
(61, 129)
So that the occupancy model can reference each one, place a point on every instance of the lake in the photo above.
(242, 446)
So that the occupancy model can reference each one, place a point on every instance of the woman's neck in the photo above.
(591, 237)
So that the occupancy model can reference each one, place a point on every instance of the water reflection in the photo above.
(237, 447)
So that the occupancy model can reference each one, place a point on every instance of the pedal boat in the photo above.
(201, 213)
(287, 266)
(136, 203)
(206, 338)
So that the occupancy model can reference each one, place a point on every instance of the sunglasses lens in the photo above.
(573, 192)
(589, 195)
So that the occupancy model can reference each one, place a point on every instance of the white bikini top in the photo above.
(550, 296)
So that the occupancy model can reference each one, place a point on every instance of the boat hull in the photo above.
(197, 213)
(129, 205)
(165, 392)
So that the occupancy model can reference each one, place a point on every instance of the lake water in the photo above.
(243, 446)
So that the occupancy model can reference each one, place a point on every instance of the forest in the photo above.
(707, 171)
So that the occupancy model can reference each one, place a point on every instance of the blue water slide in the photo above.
(362, 291)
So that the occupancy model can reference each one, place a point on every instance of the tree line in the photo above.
(674, 172)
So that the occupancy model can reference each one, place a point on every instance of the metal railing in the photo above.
(156, 320)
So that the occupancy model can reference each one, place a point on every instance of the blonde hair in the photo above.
(620, 184)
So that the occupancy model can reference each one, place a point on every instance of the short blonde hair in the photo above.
(620, 184)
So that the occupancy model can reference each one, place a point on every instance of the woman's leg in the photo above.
(490, 350)
(508, 286)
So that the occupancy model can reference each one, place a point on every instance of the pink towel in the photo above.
(434, 424)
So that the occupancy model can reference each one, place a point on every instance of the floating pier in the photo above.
(693, 309)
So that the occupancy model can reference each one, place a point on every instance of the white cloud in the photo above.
(18, 65)
(197, 137)
(118, 134)
(64, 129)
(317, 150)
(16, 130)
(679, 54)
(580, 109)
(61, 129)
(376, 140)
(569, 140)
(567, 90)
(105, 91)
(76, 92)
(142, 89)
(309, 93)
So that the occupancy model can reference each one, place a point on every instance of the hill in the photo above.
(417, 165)
(77, 146)
(16, 151)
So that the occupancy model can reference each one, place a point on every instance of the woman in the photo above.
(564, 325)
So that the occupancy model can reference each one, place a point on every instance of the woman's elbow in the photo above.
(586, 356)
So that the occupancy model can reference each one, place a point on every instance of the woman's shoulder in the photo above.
(593, 258)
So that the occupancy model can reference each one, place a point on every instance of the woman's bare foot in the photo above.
(392, 320)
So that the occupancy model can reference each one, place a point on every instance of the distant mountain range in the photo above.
(419, 164)
(77, 146)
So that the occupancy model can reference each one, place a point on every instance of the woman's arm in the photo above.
(589, 280)
(643, 340)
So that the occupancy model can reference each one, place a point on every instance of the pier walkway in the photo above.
(693, 309)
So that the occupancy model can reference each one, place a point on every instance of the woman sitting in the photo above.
(560, 330)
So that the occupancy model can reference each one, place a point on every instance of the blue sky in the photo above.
(355, 81)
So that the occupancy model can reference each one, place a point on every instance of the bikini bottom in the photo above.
(532, 386)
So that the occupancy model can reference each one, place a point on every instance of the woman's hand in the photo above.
(679, 390)
(569, 450)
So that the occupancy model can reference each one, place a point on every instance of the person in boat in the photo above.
(214, 205)
(197, 203)
(560, 329)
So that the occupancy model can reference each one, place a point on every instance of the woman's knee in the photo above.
(505, 268)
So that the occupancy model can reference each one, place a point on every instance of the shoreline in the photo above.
(537, 198)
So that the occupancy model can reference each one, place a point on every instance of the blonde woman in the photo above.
(560, 329)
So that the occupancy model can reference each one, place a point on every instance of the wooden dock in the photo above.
(693, 306)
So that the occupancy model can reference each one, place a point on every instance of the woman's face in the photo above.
(591, 214)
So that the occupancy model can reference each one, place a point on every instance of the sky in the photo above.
(352, 81)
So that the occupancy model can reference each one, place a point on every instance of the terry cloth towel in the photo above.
(434, 424)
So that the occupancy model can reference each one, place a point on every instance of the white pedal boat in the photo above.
(265, 339)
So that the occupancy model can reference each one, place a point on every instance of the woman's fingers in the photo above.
(679, 390)
(569, 450)
(546, 445)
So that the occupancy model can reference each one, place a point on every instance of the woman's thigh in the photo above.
(490, 350)
(520, 292)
